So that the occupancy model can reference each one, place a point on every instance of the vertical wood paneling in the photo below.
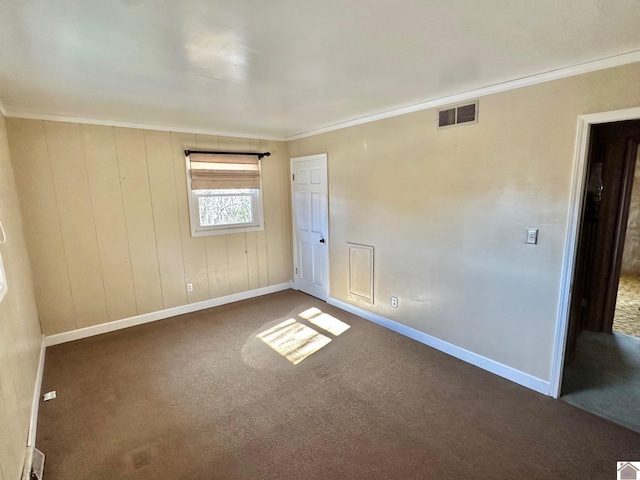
(166, 217)
(11, 388)
(238, 268)
(276, 187)
(75, 211)
(9, 416)
(218, 262)
(43, 234)
(284, 206)
(124, 206)
(263, 265)
(261, 237)
(252, 260)
(20, 332)
(111, 227)
(7, 445)
(194, 252)
(253, 269)
(136, 197)
(232, 143)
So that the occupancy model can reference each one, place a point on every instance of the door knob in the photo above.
(322, 240)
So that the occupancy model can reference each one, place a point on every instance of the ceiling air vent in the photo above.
(448, 117)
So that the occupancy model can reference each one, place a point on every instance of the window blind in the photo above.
(220, 172)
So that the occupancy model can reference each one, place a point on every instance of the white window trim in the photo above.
(194, 212)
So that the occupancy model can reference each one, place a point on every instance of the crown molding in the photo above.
(17, 113)
(587, 67)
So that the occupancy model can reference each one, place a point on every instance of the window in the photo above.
(224, 193)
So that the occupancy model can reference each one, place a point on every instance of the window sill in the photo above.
(225, 230)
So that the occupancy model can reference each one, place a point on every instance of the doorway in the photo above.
(310, 221)
(627, 313)
(607, 197)
(602, 367)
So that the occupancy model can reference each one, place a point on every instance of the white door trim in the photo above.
(292, 161)
(573, 226)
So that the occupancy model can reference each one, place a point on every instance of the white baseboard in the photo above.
(33, 424)
(160, 315)
(517, 376)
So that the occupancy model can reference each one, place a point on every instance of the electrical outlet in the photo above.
(189, 287)
(532, 236)
(49, 396)
(394, 302)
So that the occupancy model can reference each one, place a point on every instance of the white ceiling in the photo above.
(277, 69)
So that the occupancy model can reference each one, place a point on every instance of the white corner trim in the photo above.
(504, 371)
(33, 424)
(588, 67)
(160, 315)
(37, 390)
(570, 250)
(18, 113)
(574, 219)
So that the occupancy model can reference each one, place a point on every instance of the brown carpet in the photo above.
(200, 397)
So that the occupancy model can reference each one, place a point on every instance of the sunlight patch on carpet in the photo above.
(293, 340)
(330, 324)
(310, 313)
(325, 321)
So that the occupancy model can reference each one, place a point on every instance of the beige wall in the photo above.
(107, 222)
(106, 217)
(446, 211)
(20, 335)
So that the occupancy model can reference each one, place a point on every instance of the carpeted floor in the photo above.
(627, 316)
(604, 377)
(201, 397)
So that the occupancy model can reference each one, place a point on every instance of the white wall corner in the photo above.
(161, 315)
(497, 368)
(33, 424)
(3, 110)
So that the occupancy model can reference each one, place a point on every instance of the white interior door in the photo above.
(310, 207)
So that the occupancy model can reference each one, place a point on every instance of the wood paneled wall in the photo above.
(20, 334)
(107, 222)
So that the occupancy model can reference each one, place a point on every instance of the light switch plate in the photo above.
(532, 236)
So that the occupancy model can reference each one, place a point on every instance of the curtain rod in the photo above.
(204, 152)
